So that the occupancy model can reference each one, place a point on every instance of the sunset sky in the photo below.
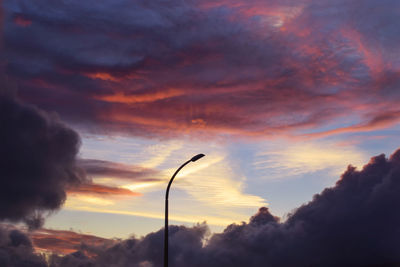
(281, 96)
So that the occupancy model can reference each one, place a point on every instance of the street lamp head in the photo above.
(198, 156)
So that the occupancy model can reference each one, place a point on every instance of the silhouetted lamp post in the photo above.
(198, 156)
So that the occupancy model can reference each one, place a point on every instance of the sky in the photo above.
(289, 100)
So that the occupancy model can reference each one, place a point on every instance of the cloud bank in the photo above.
(247, 68)
(354, 223)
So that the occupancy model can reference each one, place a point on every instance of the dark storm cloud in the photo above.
(1, 23)
(160, 68)
(16, 250)
(37, 161)
(354, 223)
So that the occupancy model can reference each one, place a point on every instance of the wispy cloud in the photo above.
(102, 168)
(212, 220)
(290, 160)
(214, 183)
(101, 190)
(157, 154)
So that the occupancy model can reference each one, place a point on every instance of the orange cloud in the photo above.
(122, 97)
(97, 189)
(64, 242)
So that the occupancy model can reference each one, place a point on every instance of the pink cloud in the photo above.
(251, 69)
(22, 21)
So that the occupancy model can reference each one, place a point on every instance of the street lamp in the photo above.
(198, 156)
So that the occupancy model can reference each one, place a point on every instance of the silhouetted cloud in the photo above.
(37, 161)
(249, 68)
(16, 250)
(354, 223)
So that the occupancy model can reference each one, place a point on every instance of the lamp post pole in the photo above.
(198, 156)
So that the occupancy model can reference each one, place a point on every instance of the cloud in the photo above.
(64, 242)
(37, 161)
(340, 226)
(354, 223)
(146, 251)
(1, 24)
(286, 160)
(349, 224)
(384, 119)
(21, 21)
(247, 68)
(103, 168)
(102, 190)
(16, 250)
(214, 182)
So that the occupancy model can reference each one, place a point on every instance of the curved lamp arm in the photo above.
(195, 158)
